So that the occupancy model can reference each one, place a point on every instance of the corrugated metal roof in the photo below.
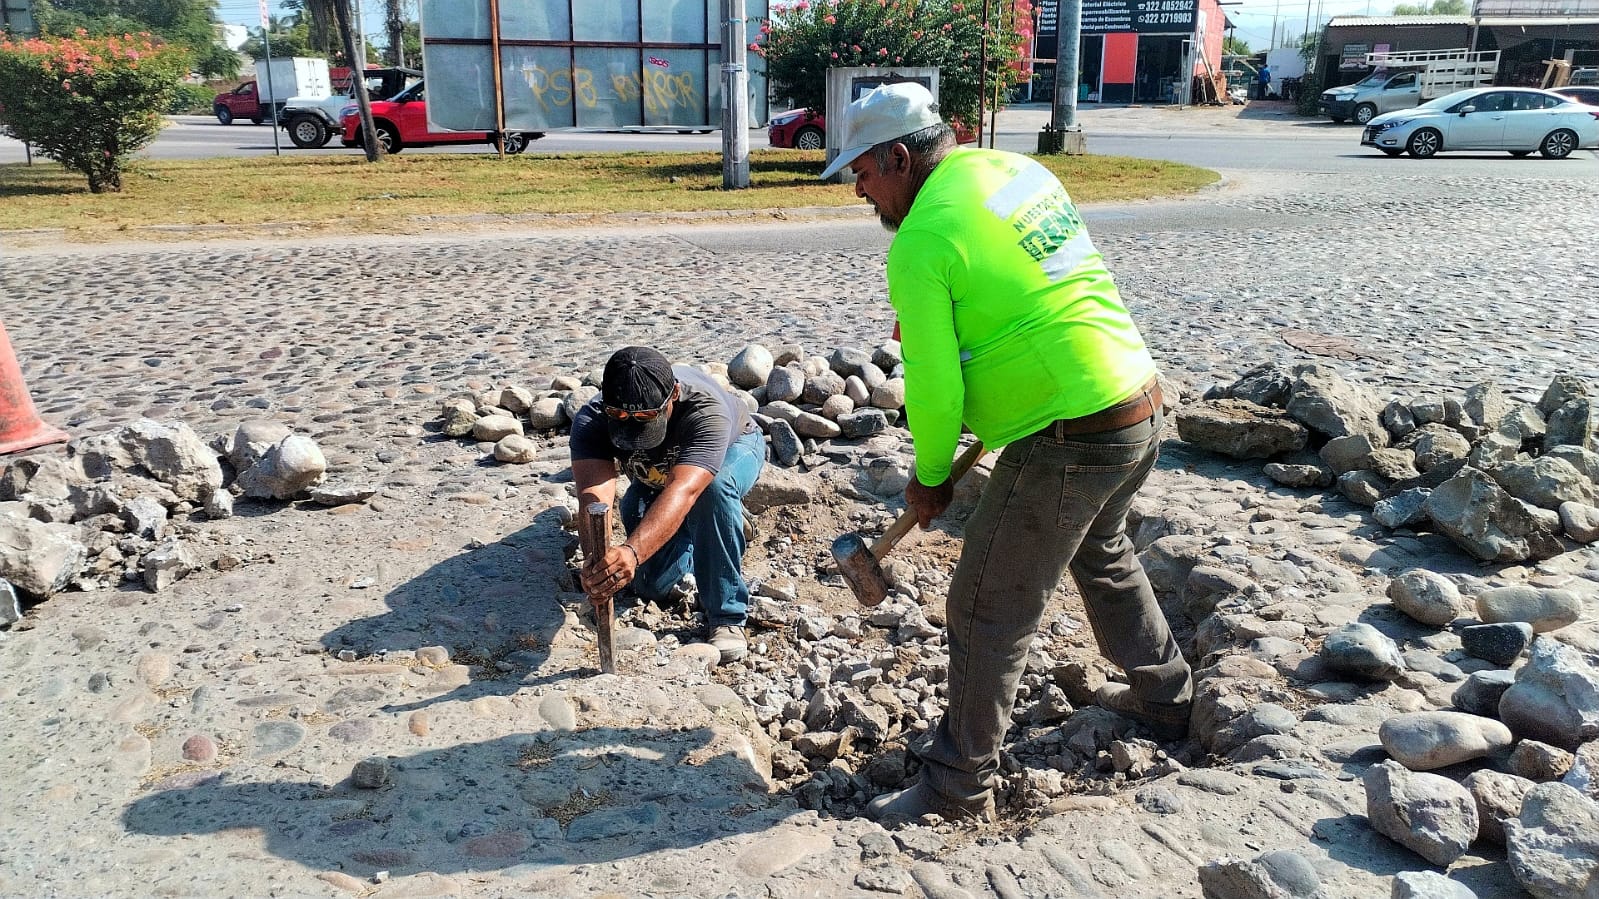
(1534, 21)
(1386, 21)
(1486, 21)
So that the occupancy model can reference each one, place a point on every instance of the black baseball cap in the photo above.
(637, 379)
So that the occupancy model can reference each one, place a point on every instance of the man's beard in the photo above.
(890, 224)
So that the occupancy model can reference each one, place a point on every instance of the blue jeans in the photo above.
(710, 542)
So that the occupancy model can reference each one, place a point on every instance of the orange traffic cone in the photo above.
(20, 426)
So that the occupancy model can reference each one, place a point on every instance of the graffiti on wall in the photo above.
(556, 90)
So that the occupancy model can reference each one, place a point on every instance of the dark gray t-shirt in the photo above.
(705, 421)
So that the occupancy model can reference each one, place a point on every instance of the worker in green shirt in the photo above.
(1011, 325)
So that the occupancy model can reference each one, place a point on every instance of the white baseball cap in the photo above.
(882, 114)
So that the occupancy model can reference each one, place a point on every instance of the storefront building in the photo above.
(1525, 32)
(1134, 51)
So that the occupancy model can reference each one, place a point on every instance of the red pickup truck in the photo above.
(402, 122)
(239, 103)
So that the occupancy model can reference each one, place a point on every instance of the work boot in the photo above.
(1165, 723)
(729, 640)
(911, 804)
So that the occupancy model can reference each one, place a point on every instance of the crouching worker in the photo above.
(691, 453)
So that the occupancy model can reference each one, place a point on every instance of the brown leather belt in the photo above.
(1140, 407)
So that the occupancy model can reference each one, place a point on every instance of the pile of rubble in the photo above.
(128, 506)
(796, 399)
(1503, 480)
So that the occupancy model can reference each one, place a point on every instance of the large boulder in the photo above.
(1239, 429)
(38, 558)
(1553, 847)
(288, 468)
(1485, 521)
(1431, 816)
(1435, 445)
(1574, 424)
(1485, 406)
(751, 367)
(1580, 522)
(1562, 389)
(252, 439)
(1324, 401)
(167, 452)
(1425, 596)
(779, 487)
(1360, 650)
(1499, 797)
(1545, 608)
(1546, 482)
(785, 384)
(1263, 385)
(1274, 875)
(1555, 698)
(1422, 741)
(1428, 885)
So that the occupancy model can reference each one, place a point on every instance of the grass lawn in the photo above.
(346, 193)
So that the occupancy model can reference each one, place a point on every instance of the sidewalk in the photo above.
(1255, 117)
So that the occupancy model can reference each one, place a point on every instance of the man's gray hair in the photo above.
(923, 144)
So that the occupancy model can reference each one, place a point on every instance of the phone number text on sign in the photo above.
(1165, 18)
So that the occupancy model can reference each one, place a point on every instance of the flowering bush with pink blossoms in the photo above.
(87, 102)
(804, 39)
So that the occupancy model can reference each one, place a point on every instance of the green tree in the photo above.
(1435, 8)
(87, 102)
(1236, 46)
(805, 39)
(411, 40)
(287, 40)
(317, 15)
(189, 23)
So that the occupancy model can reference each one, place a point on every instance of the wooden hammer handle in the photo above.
(594, 535)
(907, 520)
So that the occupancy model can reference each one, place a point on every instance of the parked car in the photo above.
(804, 129)
(1586, 95)
(311, 123)
(1517, 120)
(402, 122)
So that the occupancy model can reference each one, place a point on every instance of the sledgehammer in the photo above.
(862, 567)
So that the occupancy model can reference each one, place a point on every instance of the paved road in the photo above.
(1439, 281)
(1217, 139)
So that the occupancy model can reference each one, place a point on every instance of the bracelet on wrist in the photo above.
(634, 550)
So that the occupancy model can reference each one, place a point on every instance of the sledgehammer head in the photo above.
(858, 566)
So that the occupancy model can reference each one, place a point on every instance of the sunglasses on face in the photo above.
(615, 414)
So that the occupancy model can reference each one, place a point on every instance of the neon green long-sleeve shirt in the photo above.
(1008, 317)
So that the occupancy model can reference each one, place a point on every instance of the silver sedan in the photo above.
(1516, 120)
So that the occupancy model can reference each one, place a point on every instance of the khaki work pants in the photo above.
(1054, 502)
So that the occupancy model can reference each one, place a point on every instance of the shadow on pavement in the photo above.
(494, 607)
(552, 798)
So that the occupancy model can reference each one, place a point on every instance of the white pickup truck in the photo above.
(1403, 80)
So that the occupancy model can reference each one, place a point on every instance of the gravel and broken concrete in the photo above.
(373, 677)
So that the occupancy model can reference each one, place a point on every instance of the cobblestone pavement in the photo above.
(1435, 283)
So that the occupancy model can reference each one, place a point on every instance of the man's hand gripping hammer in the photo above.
(862, 566)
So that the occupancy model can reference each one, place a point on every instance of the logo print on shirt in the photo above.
(1052, 231)
(653, 475)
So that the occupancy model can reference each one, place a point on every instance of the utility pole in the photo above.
(735, 98)
(1063, 134)
(266, 41)
(369, 137)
